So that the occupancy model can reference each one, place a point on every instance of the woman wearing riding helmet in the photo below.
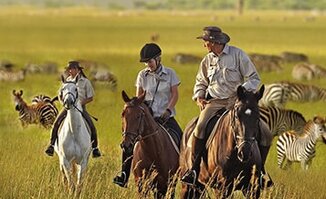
(161, 86)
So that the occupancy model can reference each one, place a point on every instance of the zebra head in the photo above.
(320, 127)
(19, 102)
(69, 94)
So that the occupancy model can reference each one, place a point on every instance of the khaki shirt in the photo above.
(221, 75)
(84, 86)
(148, 81)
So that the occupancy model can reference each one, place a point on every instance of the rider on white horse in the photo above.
(85, 95)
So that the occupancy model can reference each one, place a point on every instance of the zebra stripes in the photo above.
(281, 120)
(41, 111)
(278, 94)
(300, 148)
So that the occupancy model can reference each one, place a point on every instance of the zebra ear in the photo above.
(21, 92)
(261, 92)
(14, 92)
(125, 97)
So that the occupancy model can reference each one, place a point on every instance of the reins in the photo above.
(74, 105)
(140, 129)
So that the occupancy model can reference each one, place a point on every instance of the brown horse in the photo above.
(153, 151)
(232, 151)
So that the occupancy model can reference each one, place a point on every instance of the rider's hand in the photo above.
(165, 116)
(202, 103)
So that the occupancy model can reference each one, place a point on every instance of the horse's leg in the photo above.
(79, 183)
(64, 178)
(161, 185)
(67, 171)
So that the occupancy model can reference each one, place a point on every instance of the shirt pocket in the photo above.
(164, 86)
(210, 74)
(231, 74)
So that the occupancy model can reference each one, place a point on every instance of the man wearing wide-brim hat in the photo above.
(220, 73)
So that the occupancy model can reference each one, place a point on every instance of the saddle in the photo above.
(211, 123)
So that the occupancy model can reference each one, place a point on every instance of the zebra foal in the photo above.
(300, 148)
(41, 111)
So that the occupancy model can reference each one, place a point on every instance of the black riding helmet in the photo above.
(149, 51)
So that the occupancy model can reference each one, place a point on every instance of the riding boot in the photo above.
(122, 179)
(265, 179)
(54, 134)
(96, 152)
(191, 176)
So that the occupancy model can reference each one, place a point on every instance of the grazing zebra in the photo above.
(12, 76)
(281, 120)
(278, 94)
(300, 148)
(40, 111)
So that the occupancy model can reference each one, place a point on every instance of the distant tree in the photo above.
(240, 4)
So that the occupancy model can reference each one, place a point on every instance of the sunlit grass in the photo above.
(115, 38)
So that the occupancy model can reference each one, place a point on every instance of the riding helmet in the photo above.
(149, 51)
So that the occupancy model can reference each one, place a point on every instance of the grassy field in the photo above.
(115, 38)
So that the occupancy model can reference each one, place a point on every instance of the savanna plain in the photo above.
(29, 34)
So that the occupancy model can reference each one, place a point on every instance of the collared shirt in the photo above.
(148, 81)
(220, 76)
(84, 86)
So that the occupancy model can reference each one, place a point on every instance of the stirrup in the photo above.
(189, 174)
(123, 176)
(263, 178)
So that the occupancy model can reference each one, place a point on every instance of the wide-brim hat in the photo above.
(74, 64)
(214, 34)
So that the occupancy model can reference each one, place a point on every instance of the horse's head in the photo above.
(246, 121)
(69, 93)
(19, 102)
(132, 120)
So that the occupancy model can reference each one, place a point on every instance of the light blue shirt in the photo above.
(148, 81)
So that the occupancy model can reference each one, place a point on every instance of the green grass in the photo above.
(115, 38)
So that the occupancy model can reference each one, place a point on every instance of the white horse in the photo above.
(74, 141)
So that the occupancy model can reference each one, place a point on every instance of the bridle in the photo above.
(137, 135)
(240, 140)
(75, 97)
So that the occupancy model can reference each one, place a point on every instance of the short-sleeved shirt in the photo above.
(219, 76)
(148, 81)
(84, 86)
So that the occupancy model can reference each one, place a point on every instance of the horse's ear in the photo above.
(125, 96)
(241, 92)
(141, 97)
(62, 79)
(261, 92)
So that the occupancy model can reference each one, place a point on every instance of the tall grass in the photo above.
(115, 38)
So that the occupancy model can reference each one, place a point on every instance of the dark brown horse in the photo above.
(232, 151)
(152, 148)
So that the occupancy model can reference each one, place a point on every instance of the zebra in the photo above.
(280, 120)
(12, 76)
(300, 148)
(43, 98)
(39, 112)
(278, 94)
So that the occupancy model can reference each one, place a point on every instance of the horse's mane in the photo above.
(224, 138)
